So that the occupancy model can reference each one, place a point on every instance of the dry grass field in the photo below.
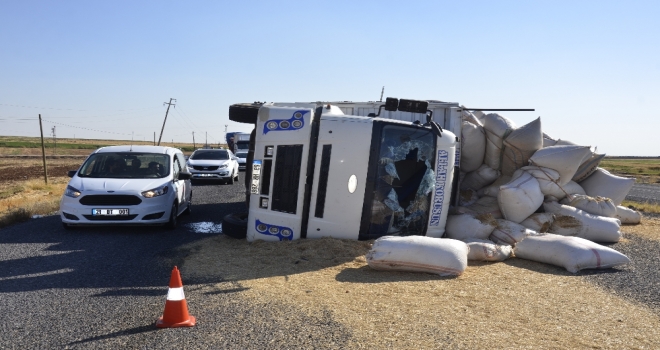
(644, 170)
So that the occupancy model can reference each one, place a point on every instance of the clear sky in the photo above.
(102, 69)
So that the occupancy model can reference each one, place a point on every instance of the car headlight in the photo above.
(72, 192)
(156, 192)
(222, 166)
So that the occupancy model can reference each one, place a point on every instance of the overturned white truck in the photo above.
(348, 169)
(367, 170)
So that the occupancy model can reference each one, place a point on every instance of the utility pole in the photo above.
(166, 112)
(54, 140)
(43, 150)
(381, 94)
(194, 146)
(154, 138)
(206, 141)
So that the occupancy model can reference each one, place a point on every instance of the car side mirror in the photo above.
(184, 175)
(71, 173)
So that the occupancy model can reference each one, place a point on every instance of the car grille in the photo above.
(110, 218)
(110, 199)
(199, 167)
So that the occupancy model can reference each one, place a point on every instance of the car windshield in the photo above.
(210, 155)
(404, 182)
(128, 165)
(241, 154)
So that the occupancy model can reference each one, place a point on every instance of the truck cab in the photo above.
(316, 171)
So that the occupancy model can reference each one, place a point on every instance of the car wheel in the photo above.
(236, 177)
(188, 210)
(231, 180)
(244, 112)
(173, 218)
(235, 225)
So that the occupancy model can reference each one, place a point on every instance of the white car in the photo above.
(213, 164)
(132, 185)
(242, 158)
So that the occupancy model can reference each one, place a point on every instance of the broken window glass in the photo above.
(404, 181)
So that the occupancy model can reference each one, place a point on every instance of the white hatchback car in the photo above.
(213, 164)
(132, 185)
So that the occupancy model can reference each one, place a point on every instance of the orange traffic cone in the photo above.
(176, 309)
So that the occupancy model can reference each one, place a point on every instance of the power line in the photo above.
(79, 127)
(72, 109)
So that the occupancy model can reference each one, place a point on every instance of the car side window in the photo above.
(182, 161)
(176, 168)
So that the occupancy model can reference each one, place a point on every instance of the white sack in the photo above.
(602, 183)
(559, 192)
(520, 198)
(564, 159)
(473, 146)
(480, 115)
(480, 178)
(485, 250)
(628, 216)
(496, 127)
(440, 256)
(548, 141)
(467, 197)
(548, 179)
(561, 142)
(467, 226)
(471, 117)
(599, 206)
(571, 253)
(588, 167)
(520, 145)
(509, 233)
(494, 189)
(539, 222)
(484, 205)
(571, 221)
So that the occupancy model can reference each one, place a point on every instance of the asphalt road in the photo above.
(105, 287)
(644, 193)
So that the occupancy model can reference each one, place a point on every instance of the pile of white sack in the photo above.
(522, 194)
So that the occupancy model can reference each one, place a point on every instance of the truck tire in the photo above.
(244, 112)
(235, 225)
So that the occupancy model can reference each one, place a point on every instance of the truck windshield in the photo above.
(404, 181)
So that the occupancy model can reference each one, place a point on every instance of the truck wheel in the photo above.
(235, 225)
(244, 112)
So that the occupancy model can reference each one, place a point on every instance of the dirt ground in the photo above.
(20, 169)
(512, 304)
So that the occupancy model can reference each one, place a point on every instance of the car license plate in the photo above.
(256, 172)
(109, 212)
